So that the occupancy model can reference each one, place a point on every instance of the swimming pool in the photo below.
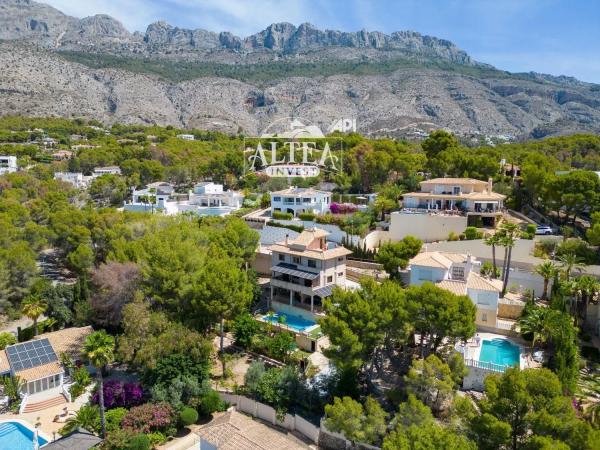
(296, 323)
(501, 352)
(16, 436)
(213, 211)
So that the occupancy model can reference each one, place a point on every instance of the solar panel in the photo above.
(30, 354)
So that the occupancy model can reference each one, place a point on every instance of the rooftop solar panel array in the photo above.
(30, 354)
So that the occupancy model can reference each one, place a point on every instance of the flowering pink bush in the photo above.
(119, 394)
(343, 208)
(149, 417)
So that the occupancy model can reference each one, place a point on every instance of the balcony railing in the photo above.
(485, 365)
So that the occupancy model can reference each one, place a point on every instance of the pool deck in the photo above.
(473, 351)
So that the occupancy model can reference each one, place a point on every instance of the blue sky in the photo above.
(559, 37)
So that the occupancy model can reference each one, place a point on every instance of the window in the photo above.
(311, 263)
(296, 259)
(484, 317)
(340, 258)
(306, 200)
(458, 272)
(340, 274)
(456, 190)
(330, 279)
(276, 199)
(281, 257)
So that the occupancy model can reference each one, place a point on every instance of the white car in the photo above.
(542, 229)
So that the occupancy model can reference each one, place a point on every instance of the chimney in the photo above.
(287, 238)
(489, 186)
(469, 265)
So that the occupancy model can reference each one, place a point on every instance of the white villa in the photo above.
(38, 362)
(113, 170)
(475, 197)
(304, 271)
(212, 195)
(153, 196)
(459, 274)
(8, 164)
(76, 179)
(186, 137)
(298, 200)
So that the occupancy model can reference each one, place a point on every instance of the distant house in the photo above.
(299, 200)
(212, 195)
(459, 274)
(474, 197)
(154, 196)
(186, 137)
(77, 137)
(76, 179)
(37, 363)
(113, 170)
(8, 164)
(62, 154)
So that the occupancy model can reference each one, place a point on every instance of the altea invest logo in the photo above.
(293, 147)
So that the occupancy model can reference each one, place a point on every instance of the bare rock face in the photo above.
(36, 80)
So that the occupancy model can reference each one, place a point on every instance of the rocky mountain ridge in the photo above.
(441, 87)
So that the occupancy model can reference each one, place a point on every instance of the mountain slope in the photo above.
(399, 85)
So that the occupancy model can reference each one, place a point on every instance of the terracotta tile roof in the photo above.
(311, 253)
(236, 431)
(438, 259)
(478, 282)
(307, 236)
(4, 364)
(479, 196)
(69, 340)
(35, 373)
(455, 286)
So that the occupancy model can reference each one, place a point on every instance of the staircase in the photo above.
(48, 403)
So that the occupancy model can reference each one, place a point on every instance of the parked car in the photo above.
(544, 229)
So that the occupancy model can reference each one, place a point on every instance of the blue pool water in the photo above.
(296, 323)
(16, 436)
(213, 211)
(501, 352)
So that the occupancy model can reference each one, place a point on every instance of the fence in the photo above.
(485, 365)
(264, 412)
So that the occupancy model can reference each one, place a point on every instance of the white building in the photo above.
(209, 194)
(76, 179)
(298, 200)
(112, 170)
(459, 274)
(304, 271)
(8, 164)
(473, 197)
(153, 197)
(186, 137)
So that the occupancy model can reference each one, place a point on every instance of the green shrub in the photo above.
(282, 215)
(157, 438)
(6, 339)
(531, 228)
(244, 329)
(471, 233)
(306, 216)
(211, 402)
(139, 442)
(452, 236)
(188, 416)
(114, 417)
(580, 248)
(296, 228)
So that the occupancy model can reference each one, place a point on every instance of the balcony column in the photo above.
(269, 302)
(291, 297)
(312, 306)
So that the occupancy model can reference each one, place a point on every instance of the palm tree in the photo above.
(33, 307)
(547, 270)
(86, 417)
(99, 349)
(534, 322)
(569, 262)
(493, 240)
(510, 233)
(589, 396)
(587, 288)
